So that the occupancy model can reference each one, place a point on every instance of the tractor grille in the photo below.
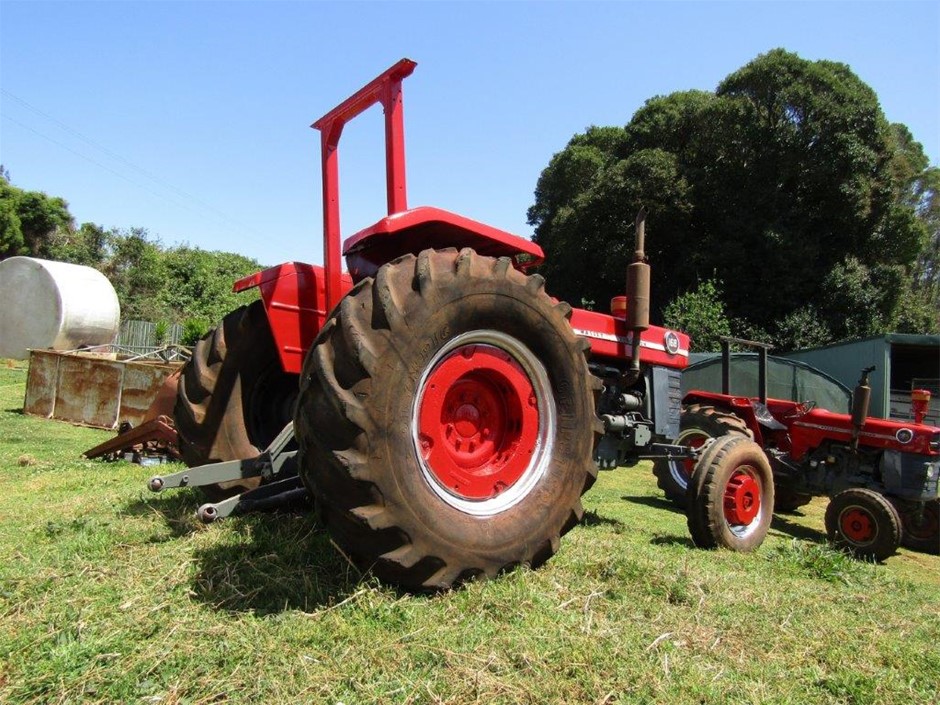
(667, 401)
(910, 476)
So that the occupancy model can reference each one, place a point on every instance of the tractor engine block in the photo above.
(636, 417)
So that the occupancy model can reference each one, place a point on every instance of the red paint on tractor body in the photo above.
(807, 430)
(610, 337)
(423, 228)
(811, 429)
(294, 295)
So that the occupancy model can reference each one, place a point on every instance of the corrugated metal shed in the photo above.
(903, 362)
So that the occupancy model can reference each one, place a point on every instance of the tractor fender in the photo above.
(742, 407)
(294, 295)
(427, 228)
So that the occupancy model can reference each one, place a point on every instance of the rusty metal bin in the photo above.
(92, 389)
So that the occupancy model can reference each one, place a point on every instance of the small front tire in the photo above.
(863, 523)
(730, 497)
(920, 525)
(698, 425)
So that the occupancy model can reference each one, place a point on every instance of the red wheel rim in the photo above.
(478, 422)
(857, 525)
(742, 498)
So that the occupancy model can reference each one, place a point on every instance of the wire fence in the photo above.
(144, 335)
(146, 340)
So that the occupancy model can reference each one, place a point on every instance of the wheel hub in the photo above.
(741, 499)
(687, 466)
(478, 421)
(858, 525)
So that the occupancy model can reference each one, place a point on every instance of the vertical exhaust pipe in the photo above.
(861, 400)
(638, 296)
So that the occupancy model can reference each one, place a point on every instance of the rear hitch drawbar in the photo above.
(274, 462)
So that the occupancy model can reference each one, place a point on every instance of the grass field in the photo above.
(109, 594)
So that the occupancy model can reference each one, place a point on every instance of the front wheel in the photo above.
(697, 425)
(446, 420)
(863, 523)
(731, 496)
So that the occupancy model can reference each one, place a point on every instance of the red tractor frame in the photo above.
(448, 412)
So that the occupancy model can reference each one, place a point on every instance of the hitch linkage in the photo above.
(274, 461)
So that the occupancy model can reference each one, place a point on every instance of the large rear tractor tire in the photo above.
(697, 425)
(731, 495)
(446, 421)
(233, 397)
(863, 523)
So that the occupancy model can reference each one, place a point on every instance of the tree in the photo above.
(29, 220)
(11, 229)
(136, 270)
(90, 245)
(920, 189)
(701, 314)
(201, 284)
(591, 226)
(786, 183)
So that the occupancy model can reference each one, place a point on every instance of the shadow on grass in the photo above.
(15, 411)
(655, 503)
(272, 562)
(264, 562)
(798, 531)
(683, 541)
(177, 509)
(592, 518)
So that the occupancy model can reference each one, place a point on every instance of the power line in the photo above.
(98, 164)
(117, 157)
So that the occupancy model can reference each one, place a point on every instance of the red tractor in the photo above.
(881, 475)
(448, 412)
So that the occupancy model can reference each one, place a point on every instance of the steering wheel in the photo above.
(803, 408)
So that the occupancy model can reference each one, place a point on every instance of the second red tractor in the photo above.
(881, 475)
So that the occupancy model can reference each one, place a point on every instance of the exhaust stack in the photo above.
(861, 400)
(638, 296)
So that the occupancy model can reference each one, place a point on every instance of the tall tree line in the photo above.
(783, 206)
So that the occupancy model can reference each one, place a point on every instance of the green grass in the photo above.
(110, 594)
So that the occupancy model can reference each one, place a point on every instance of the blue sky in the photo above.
(192, 119)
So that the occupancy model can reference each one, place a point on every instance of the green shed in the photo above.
(903, 362)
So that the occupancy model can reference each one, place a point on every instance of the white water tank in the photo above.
(45, 304)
